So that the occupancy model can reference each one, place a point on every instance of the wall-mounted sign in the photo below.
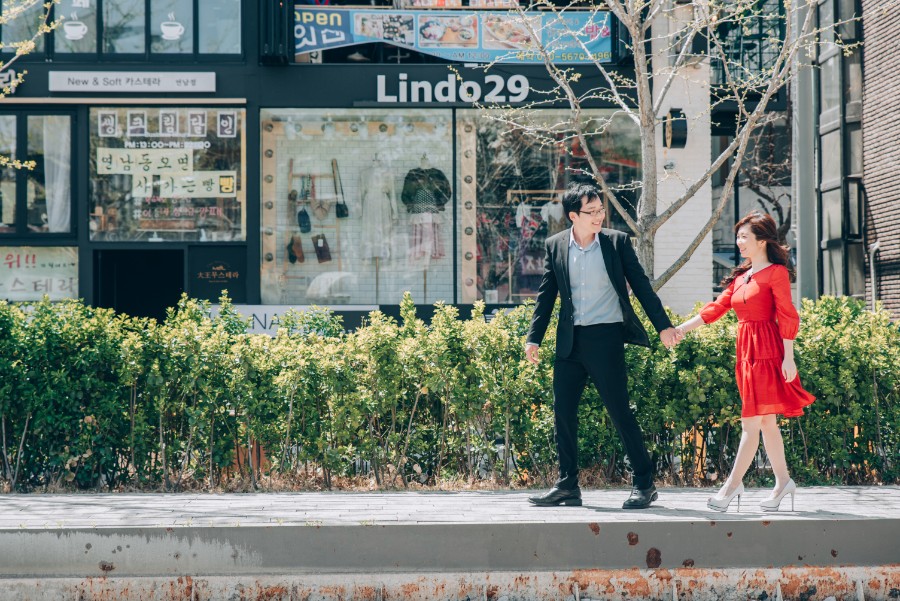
(264, 318)
(217, 268)
(480, 36)
(131, 81)
(27, 273)
(453, 89)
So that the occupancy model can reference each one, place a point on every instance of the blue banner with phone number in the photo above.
(478, 36)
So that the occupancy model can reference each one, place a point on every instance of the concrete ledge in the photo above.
(447, 546)
(258, 550)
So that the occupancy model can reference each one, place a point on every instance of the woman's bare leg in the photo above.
(750, 428)
(774, 445)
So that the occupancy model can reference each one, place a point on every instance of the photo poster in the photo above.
(472, 36)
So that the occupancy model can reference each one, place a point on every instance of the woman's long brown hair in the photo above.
(763, 227)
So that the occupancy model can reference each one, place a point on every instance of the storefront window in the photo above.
(78, 32)
(511, 186)
(172, 26)
(27, 273)
(49, 199)
(22, 27)
(7, 175)
(123, 27)
(356, 206)
(219, 24)
(167, 174)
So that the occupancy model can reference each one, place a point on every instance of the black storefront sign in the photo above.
(214, 269)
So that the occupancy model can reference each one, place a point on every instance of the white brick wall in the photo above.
(690, 93)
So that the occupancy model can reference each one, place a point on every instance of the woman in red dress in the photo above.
(759, 291)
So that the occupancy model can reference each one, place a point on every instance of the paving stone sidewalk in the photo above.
(40, 511)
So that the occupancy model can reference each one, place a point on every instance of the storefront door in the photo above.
(140, 283)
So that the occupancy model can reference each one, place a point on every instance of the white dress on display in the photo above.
(379, 210)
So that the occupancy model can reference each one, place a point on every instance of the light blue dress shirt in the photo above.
(593, 294)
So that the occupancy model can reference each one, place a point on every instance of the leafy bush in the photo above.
(90, 399)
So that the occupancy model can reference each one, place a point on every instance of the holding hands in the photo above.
(671, 336)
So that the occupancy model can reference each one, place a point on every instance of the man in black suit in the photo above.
(588, 265)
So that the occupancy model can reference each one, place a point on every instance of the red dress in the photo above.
(766, 316)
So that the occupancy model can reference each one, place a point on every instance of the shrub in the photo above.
(89, 399)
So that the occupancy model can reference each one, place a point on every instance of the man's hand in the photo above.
(531, 352)
(670, 337)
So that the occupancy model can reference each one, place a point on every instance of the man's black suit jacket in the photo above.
(621, 264)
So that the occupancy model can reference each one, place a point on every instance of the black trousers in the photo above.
(598, 352)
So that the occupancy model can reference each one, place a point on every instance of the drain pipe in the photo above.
(873, 248)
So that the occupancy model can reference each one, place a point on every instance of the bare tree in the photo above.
(662, 56)
(23, 23)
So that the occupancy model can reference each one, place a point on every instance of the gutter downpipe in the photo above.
(873, 248)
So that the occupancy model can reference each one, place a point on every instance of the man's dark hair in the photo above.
(574, 193)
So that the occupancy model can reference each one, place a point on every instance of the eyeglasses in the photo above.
(595, 213)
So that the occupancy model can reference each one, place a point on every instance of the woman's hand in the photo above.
(789, 368)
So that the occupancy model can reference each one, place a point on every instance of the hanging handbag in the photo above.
(320, 244)
(303, 221)
(340, 209)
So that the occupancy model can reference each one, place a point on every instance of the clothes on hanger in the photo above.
(553, 215)
(379, 209)
(425, 190)
(427, 240)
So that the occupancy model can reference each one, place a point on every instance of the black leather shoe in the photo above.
(558, 496)
(641, 498)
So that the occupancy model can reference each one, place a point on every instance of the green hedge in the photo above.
(91, 399)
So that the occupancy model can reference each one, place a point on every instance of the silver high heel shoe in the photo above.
(717, 504)
(772, 503)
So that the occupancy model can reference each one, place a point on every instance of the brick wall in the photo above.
(881, 148)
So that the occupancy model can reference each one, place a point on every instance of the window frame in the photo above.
(49, 52)
(22, 235)
(841, 119)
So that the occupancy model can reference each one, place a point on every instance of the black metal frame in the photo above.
(22, 235)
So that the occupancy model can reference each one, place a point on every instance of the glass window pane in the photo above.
(853, 79)
(123, 27)
(830, 147)
(849, 29)
(826, 24)
(219, 26)
(854, 209)
(831, 215)
(833, 271)
(856, 270)
(49, 193)
(30, 272)
(172, 26)
(8, 175)
(511, 186)
(78, 31)
(854, 149)
(21, 28)
(356, 206)
(167, 174)
(829, 86)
